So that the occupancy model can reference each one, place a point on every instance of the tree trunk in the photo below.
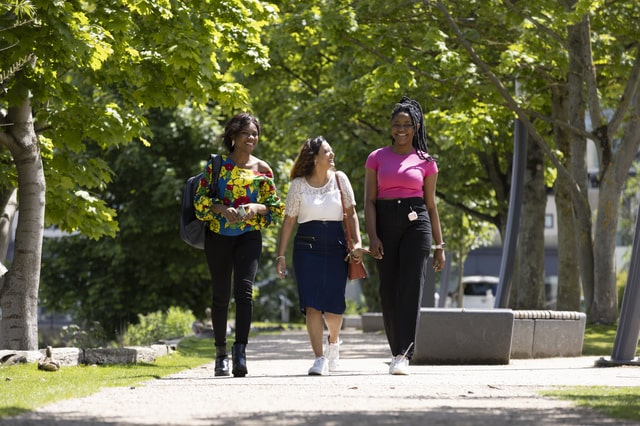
(19, 293)
(604, 307)
(577, 159)
(529, 282)
(569, 288)
(569, 291)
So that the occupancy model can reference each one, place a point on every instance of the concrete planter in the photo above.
(352, 321)
(493, 336)
(372, 322)
(463, 336)
(548, 334)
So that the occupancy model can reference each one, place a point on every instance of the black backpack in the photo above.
(192, 230)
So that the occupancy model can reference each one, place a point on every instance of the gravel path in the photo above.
(279, 391)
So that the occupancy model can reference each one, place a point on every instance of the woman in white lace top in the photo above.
(314, 204)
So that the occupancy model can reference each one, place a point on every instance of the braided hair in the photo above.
(413, 108)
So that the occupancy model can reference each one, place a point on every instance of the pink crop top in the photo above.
(400, 176)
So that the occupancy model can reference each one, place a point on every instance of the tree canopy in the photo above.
(90, 72)
(81, 75)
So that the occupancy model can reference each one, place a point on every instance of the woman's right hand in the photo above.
(231, 215)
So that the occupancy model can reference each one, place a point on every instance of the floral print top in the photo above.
(237, 186)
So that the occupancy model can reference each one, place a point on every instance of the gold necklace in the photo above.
(323, 182)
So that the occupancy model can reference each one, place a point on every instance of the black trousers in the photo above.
(402, 269)
(236, 257)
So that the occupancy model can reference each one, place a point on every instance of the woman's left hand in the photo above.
(250, 209)
(438, 260)
(358, 253)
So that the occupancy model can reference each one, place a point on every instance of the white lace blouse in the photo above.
(309, 203)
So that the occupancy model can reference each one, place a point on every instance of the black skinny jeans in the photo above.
(402, 269)
(237, 256)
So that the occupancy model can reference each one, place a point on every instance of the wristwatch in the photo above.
(439, 246)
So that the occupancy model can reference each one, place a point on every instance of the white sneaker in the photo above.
(332, 353)
(320, 367)
(399, 365)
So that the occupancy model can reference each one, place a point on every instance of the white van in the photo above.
(479, 292)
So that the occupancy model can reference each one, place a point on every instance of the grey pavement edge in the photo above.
(361, 392)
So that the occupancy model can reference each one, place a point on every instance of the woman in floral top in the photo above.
(247, 202)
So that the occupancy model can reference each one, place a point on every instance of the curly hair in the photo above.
(413, 108)
(305, 161)
(235, 126)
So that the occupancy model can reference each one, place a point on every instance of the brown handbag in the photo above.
(356, 269)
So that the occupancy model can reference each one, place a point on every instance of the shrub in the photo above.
(174, 323)
(90, 336)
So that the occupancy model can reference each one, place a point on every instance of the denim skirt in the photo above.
(319, 266)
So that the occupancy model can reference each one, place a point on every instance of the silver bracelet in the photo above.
(281, 257)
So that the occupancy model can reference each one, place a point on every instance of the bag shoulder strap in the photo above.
(344, 215)
(216, 161)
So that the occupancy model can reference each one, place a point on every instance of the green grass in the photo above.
(599, 339)
(617, 402)
(24, 387)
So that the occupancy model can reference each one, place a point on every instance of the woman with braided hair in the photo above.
(402, 221)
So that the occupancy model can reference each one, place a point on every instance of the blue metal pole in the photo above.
(628, 332)
(513, 218)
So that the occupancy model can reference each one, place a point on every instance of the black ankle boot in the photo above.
(239, 359)
(222, 361)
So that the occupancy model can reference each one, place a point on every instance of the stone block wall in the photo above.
(547, 334)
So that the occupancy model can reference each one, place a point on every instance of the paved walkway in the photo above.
(278, 391)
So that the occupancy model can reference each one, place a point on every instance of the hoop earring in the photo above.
(233, 143)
